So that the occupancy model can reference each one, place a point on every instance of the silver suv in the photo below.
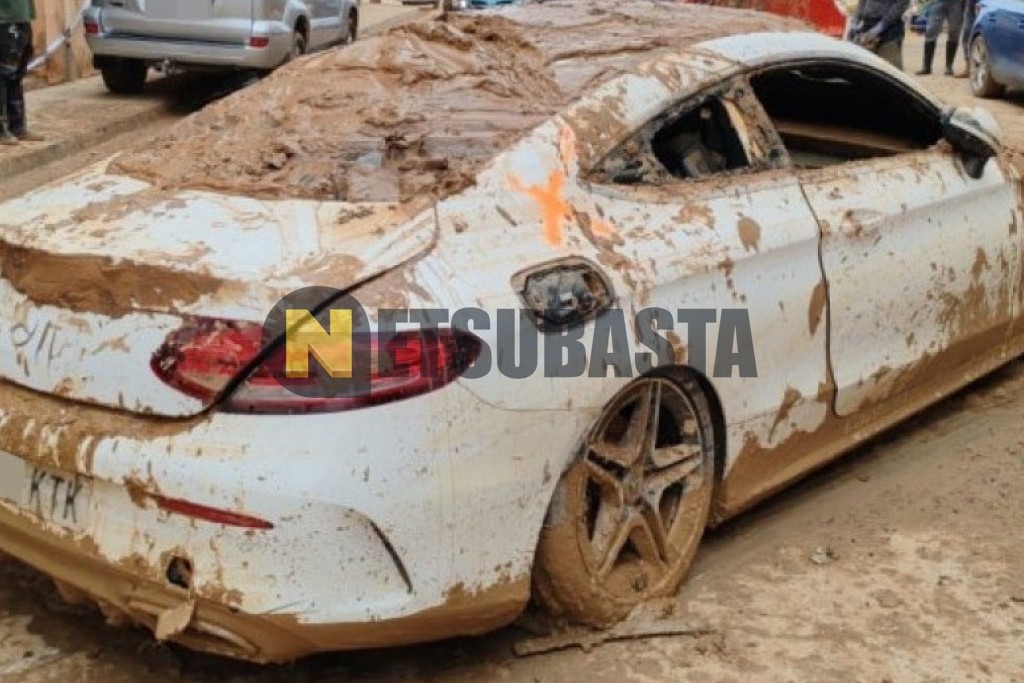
(127, 37)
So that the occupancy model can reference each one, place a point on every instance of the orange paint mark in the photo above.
(550, 199)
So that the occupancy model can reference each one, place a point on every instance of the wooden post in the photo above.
(74, 60)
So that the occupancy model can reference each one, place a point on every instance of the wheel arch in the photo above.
(302, 26)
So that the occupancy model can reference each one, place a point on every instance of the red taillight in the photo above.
(203, 358)
(212, 515)
(259, 42)
(92, 28)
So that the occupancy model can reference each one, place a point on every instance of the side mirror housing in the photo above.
(974, 134)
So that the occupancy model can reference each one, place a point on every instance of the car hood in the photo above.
(98, 270)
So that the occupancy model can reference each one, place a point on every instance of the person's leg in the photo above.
(9, 58)
(931, 34)
(892, 52)
(970, 14)
(956, 23)
(16, 91)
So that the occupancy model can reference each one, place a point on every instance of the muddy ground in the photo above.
(902, 562)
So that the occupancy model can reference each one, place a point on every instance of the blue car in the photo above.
(997, 47)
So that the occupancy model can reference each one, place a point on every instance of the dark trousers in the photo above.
(970, 14)
(15, 53)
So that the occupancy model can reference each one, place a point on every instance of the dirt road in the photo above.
(904, 562)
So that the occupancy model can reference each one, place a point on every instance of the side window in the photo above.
(833, 113)
(701, 138)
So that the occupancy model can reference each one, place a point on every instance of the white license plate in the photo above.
(60, 498)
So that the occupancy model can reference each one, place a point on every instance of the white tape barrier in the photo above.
(57, 44)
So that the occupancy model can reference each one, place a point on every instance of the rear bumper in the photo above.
(218, 629)
(371, 546)
(228, 55)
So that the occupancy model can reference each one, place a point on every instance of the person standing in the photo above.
(970, 14)
(878, 26)
(15, 52)
(951, 13)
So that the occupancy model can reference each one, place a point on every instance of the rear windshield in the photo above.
(416, 111)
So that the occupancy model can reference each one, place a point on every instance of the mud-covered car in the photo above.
(698, 191)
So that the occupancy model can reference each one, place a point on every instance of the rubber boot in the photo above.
(951, 48)
(929, 57)
(17, 121)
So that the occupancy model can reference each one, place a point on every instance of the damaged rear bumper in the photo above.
(218, 629)
(124, 598)
(370, 545)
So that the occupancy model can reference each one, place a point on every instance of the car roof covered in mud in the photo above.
(417, 111)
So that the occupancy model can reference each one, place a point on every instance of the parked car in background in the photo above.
(128, 37)
(996, 56)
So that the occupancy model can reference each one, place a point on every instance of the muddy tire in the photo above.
(629, 514)
(298, 47)
(125, 76)
(980, 68)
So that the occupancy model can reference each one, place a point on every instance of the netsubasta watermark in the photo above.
(514, 343)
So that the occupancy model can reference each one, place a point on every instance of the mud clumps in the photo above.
(416, 112)
(388, 119)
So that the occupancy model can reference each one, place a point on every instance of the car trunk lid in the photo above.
(96, 274)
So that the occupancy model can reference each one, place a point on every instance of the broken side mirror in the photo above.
(974, 134)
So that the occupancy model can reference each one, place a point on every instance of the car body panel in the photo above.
(952, 240)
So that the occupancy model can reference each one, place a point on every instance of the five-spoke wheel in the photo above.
(630, 512)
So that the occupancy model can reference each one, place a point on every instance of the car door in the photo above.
(729, 237)
(922, 262)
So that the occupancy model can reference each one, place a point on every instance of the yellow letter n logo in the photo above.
(304, 336)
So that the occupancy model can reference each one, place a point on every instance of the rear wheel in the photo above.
(980, 64)
(629, 514)
(298, 45)
(124, 76)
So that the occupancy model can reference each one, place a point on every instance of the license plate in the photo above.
(178, 9)
(61, 498)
